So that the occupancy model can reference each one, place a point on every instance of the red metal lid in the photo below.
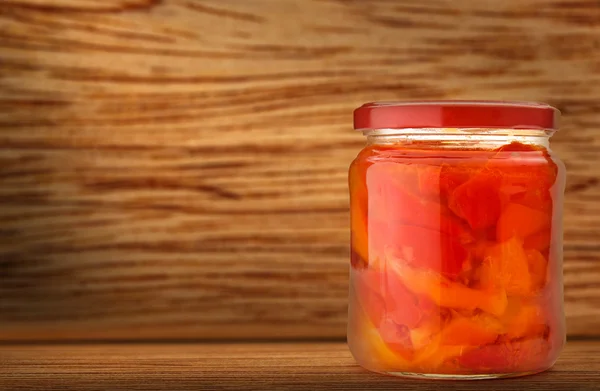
(456, 114)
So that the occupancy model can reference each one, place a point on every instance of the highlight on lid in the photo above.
(456, 247)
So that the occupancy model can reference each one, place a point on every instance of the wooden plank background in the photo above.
(177, 168)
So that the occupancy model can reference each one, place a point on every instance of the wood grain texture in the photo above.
(301, 366)
(177, 168)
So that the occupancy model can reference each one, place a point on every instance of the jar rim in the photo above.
(463, 114)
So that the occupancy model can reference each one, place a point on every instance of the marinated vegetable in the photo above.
(455, 269)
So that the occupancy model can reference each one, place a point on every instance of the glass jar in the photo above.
(456, 237)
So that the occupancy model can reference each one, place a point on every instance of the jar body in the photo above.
(456, 261)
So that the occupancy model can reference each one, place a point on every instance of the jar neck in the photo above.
(473, 138)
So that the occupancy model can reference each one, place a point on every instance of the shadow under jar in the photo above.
(456, 221)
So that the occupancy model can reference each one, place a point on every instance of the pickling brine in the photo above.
(456, 248)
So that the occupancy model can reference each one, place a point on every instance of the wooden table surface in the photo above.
(248, 366)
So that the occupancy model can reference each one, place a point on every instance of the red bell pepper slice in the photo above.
(401, 220)
(429, 249)
(538, 241)
(520, 221)
(528, 173)
(478, 200)
(384, 296)
(514, 356)
(394, 197)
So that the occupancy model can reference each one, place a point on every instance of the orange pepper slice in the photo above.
(476, 330)
(358, 211)
(462, 334)
(537, 268)
(359, 237)
(522, 319)
(446, 293)
(506, 266)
